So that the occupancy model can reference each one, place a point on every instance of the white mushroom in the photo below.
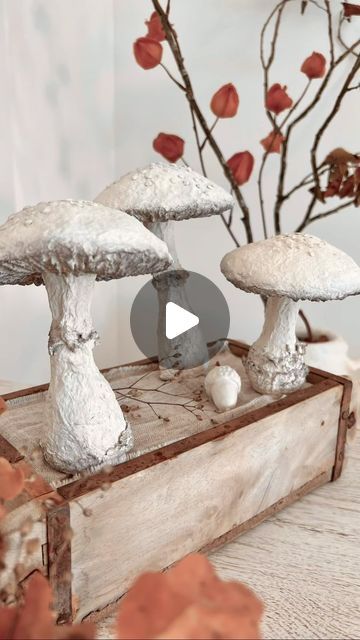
(222, 385)
(67, 245)
(286, 269)
(158, 195)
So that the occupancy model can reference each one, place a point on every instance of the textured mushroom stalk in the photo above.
(275, 363)
(86, 426)
(189, 349)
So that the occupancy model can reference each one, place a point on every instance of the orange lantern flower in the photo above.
(169, 146)
(147, 52)
(155, 30)
(241, 165)
(314, 66)
(273, 142)
(225, 102)
(351, 9)
(277, 100)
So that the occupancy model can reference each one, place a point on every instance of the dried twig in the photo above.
(173, 42)
(309, 220)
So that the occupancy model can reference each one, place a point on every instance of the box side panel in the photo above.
(150, 519)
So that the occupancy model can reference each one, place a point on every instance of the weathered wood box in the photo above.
(195, 480)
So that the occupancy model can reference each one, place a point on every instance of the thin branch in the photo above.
(181, 86)
(307, 215)
(283, 163)
(341, 39)
(330, 32)
(324, 214)
(355, 68)
(197, 138)
(211, 130)
(198, 115)
(357, 86)
(308, 179)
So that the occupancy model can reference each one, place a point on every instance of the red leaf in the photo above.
(351, 9)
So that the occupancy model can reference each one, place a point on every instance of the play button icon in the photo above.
(178, 320)
(176, 315)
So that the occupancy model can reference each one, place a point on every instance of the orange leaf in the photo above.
(188, 601)
(11, 480)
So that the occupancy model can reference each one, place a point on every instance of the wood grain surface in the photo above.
(304, 562)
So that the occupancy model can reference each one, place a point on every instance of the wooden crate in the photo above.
(195, 493)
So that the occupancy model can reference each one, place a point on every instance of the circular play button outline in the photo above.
(175, 315)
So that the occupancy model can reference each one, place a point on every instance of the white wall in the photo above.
(76, 112)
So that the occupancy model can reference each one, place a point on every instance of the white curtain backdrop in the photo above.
(76, 112)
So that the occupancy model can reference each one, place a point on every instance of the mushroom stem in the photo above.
(86, 427)
(275, 362)
(166, 232)
(189, 349)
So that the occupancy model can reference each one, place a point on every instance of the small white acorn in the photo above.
(222, 385)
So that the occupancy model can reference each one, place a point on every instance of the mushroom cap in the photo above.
(161, 192)
(296, 266)
(78, 237)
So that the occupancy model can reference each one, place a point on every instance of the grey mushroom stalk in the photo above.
(67, 246)
(159, 195)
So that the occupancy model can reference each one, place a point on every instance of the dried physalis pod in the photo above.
(222, 385)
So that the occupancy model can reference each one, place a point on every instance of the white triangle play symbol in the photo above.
(178, 320)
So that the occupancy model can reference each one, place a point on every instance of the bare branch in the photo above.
(355, 68)
(330, 32)
(324, 214)
(196, 112)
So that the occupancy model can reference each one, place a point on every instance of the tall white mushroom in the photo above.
(286, 269)
(158, 195)
(68, 245)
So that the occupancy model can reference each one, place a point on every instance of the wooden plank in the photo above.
(85, 485)
(59, 560)
(7, 451)
(227, 537)
(152, 517)
(345, 420)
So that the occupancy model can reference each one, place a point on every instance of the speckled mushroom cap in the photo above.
(297, 266)
(161, 192)
(69, 236)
